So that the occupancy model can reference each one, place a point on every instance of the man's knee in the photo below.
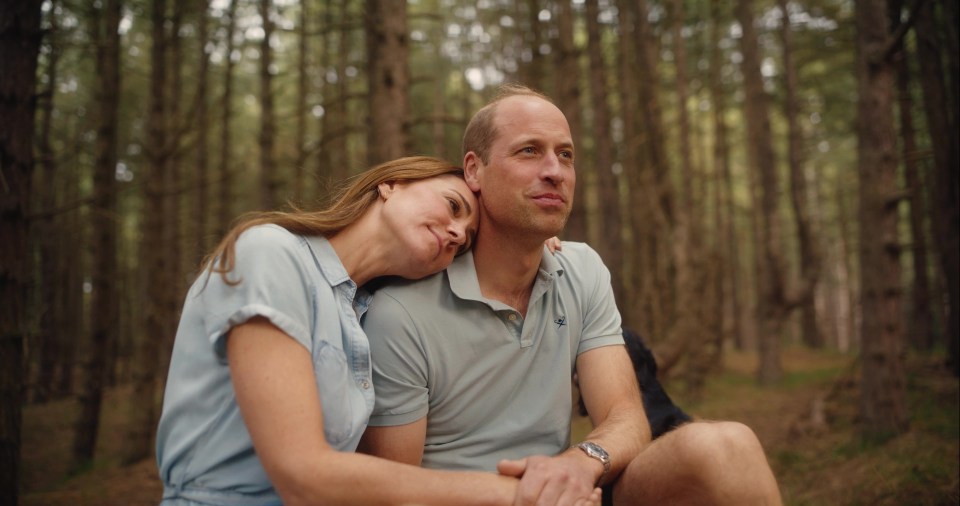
(709, 444)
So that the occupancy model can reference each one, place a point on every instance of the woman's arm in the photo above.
(278, 398)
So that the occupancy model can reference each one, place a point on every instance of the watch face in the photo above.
(595, 450)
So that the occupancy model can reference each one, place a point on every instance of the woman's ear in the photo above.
(386, 188)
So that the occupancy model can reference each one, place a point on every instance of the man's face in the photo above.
(527, 184)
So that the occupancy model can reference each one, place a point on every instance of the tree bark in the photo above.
(806, 237)
(47, 227)
(771, 307)
(269, 178)
(882, 402)
(143, 411)
(721, 156)
(943, 135)
(389, 80)
(610, 246)
(303, 72)
(632, 307)
(691, 305)
(202, 197)
(533, 73)
(919, 328)
(19, 46)
(225, 178)
(105, 298)
(568, 99)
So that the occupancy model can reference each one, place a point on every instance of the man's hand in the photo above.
(566, 479)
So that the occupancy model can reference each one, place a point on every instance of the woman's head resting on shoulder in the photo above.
(426, 222)
(424, 204)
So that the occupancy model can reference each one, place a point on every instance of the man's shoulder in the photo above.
(411, 292)
(578, 255)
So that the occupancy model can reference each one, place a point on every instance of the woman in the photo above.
(269, 384)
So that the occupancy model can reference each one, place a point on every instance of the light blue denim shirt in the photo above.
(204, 451)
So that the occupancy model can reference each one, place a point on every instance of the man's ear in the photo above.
(386, 188)
(472, 165)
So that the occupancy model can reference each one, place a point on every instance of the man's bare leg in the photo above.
(700, 463)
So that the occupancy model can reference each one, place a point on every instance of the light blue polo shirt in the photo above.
(204, 451)
(492, 384)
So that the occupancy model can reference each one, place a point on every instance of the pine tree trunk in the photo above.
(269, 177)
(19, 46)
(632, 305)
(142, 418)
(771, 311)
(721, 155)
(919, 328)
(532, 74)
(389, 80)
(202, 197)
(650, 182)
(806, 239)
(225, 178)
(611, 245)
(71, 267)
(568, 99)
(943, 135)
(105, 300)
(882, 403)
(687, 327)
(303, 71)
(47, 227)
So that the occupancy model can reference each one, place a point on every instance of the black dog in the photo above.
(662, 413)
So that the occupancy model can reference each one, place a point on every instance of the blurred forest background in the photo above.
(760, 176)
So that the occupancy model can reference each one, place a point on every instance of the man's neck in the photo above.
(506, 267)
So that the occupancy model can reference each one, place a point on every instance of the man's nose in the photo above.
(552, 169)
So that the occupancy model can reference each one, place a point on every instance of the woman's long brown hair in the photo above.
(353, 199)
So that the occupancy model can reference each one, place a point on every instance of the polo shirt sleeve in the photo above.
(399, 363)
(270, 268)
(601, 318)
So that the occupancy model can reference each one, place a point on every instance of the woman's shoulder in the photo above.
(268, 232)
(263, 245)
(268, 237)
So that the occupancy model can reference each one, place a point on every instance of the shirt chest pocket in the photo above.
(344, 410)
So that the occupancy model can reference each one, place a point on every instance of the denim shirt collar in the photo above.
(329, 264)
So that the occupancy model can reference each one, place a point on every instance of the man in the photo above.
(473, 365)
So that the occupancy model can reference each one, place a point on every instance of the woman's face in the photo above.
(433, 219)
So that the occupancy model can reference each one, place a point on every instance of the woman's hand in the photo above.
(553, 244)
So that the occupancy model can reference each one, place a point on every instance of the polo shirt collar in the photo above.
(462, 274)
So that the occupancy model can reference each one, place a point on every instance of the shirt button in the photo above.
(512, 317)
(365, 385)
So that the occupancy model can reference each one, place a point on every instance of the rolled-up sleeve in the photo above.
(271, 283)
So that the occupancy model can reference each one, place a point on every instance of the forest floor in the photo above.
(807, 426)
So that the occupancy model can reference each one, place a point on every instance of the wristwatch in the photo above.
(596, 451)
